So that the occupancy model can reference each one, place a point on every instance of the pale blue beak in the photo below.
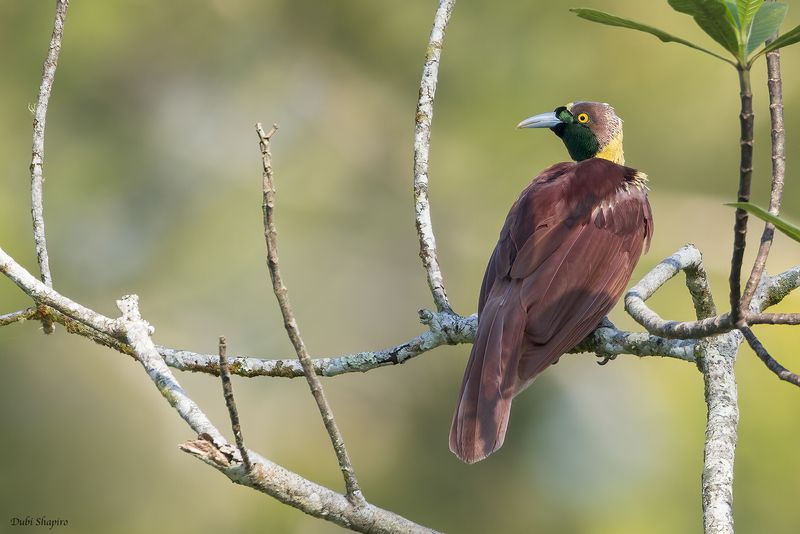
(543, 120)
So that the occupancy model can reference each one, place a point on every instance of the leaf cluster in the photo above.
(739, 26)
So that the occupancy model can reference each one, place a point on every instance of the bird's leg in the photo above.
(605, 323)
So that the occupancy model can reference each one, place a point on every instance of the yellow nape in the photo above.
(613, 150)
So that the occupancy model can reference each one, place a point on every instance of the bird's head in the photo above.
(588, 129)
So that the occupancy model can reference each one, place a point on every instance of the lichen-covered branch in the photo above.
(295, 491)
(779, 286)
(422, 138)
(131, 334)
(354, 493)
(716, 358)
(262, 474)
(687, 259)
(447, 329)
(137, 332)
(42, 294)
(18, 316)
(37, 149)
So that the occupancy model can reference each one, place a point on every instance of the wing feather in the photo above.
(564, 256)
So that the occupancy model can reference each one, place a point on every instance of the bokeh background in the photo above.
(153, 187)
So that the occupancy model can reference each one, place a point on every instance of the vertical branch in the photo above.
(716, 357)
(422, 137)
(354, 493)
(778, 137)
(37, 149)
(745, 176)
(230, 402)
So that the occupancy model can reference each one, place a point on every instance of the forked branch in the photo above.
(37, 149)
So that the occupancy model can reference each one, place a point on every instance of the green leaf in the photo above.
(747, 10)
(714, 18)
(787, 228)
(611, 20)
(734, 10)
(788, 38)
(765, 24)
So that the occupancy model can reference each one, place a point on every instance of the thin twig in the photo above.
(778, 137)
(281, 293)
(37, 150)
(746, 120)
(230, 402)
(422, 138)
(772, 318)
(18, 316)
(772, 364)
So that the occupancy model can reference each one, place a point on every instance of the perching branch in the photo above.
(354, 493)
(422, 136)
(445, 329)
(37, 150)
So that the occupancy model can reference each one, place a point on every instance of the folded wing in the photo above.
(564, 257)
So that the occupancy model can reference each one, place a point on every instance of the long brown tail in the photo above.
(484, 403)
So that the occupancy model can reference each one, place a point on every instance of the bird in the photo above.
(565, 254)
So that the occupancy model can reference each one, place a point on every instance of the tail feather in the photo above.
(484, 404)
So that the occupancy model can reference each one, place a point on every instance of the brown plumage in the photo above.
(564, 257)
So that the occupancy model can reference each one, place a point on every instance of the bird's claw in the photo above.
(607, 358)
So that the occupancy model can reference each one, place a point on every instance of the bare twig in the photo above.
(772, 364)
(230, 402)
(746, 120)
(422, 137)
(772, 318)
(37, 150)
(18, 316)
(778, 136)
(354, 493)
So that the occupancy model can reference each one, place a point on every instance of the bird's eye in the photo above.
(583, 118)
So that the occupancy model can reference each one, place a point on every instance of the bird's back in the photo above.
(565, 254)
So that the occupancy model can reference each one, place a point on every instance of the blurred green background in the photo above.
(153, 187)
